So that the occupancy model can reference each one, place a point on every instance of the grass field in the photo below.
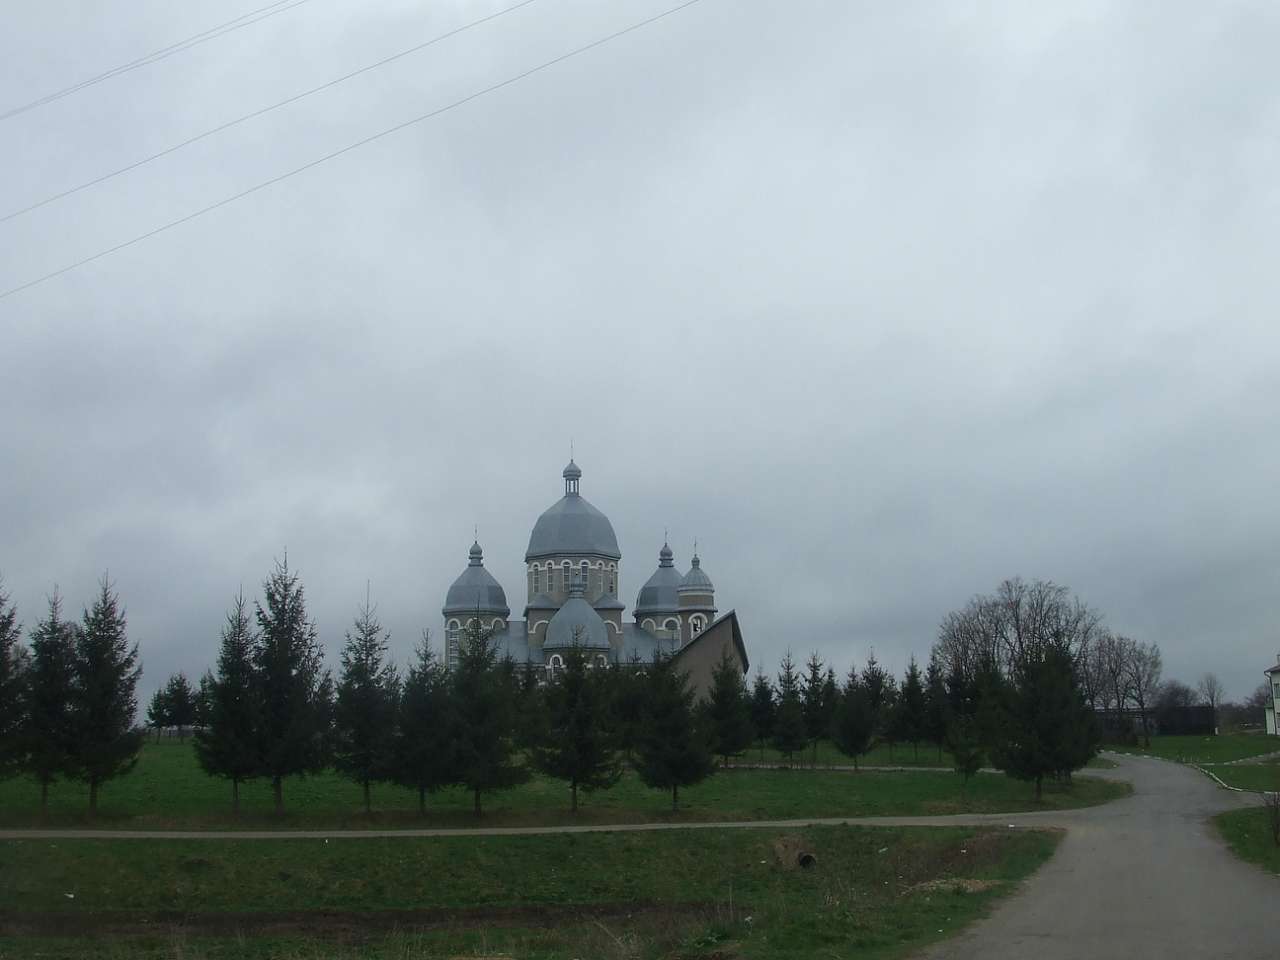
(1248, 834)
(167, 789)
(1201, 749)
(879, 892)
(1249, 776)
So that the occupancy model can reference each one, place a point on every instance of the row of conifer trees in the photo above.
(271, 710)
(67, 698)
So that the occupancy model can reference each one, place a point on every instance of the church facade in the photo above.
(573, 579)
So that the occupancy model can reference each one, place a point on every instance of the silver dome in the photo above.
(576, 623)
(572, 526)
(659, 593)
(476, 590)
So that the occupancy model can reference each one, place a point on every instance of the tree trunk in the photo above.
(422, 801)
(477, 803)
(44, 799)
(93, 796)
(368, 807)
(277, 793)
(1038, 788)
(573, 792)
(915, 749)
(675, 797)
(235, 797)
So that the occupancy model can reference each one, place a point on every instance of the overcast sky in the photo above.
(882, 303)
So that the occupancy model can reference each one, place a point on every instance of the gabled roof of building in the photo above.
(732, 617)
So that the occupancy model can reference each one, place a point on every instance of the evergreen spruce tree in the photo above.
(909, 712)
(854, 728)
(158, 712)
(105, 703)
(486, 718)
(181, 698)
(763, 709)
(204, 699)
(672, 752)
(294, 690)
(816, 721)
(727, 710)
(935, 705)
(13, 664)
(425, 755)
(228, 740)
(1047, 727)
(627, 704)
(875, 684)
(48, 730)
(577, 743)
(365, 710)
(965, 745)
(789, 733)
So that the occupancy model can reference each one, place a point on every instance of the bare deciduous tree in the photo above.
(1210, 688)
(1145, 666)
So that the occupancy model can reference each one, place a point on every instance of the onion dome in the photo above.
(576, 623)
(572, 526)
(660, 592)
(696, 580)
(476, 590)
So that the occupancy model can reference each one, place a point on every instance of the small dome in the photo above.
(659, 593)
(576, 623)
(476, 591)
(572, 471)
(696, 581)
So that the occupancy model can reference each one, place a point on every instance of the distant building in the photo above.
(573, 570)
(1273, 710)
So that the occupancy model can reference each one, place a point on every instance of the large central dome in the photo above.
(572, 526)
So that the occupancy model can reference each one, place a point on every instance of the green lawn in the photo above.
(1248, 833)
(1201, 749)
(167, 789)
(1249, 776)
(879, 892)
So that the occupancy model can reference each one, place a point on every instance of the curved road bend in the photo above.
(1143, 877)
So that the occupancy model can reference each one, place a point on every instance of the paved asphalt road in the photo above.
(1143, 877)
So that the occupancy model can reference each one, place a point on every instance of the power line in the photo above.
(244, 20)
(349, 147)
(257, 113)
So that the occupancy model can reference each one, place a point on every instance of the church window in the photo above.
(564, 571)
(612, 591)
(586, 574)
(697, 625)
(600, 661)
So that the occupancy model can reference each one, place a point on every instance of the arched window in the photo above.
(696, 625)
(537, 580)
(601, 661)
(451, 635)
(674, 627)
(564, 570)
(586, 574)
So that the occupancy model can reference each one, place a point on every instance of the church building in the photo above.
(573, 571)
